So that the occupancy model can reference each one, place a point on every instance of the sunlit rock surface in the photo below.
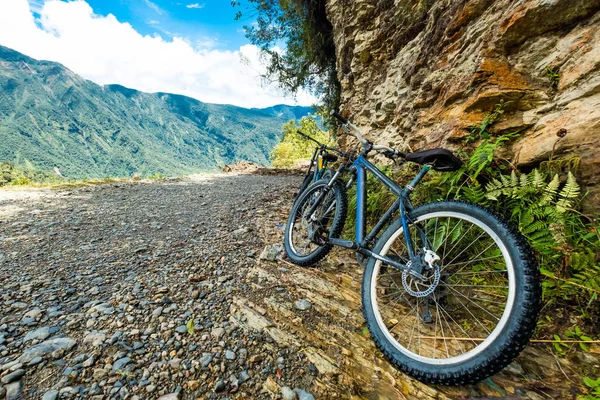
(418, 74)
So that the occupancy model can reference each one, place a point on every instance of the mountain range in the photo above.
(51, 117)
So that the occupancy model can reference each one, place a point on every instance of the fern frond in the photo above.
(559, 233)
(551, 190)
(568, 193)
(538, 180)
(524, 181)
(534, 227)
(475, 194)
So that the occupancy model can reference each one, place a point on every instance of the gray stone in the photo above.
(120, 363)
(101, 308)
(67, 392)
(156, 313)
(79, 358)
(95, 389)
(13, 376)
(220, 386)
(240, 232)
(14, 390)
(181, 329)
(50, 395)
(33, 313)
(303, 395)
(205, 360)
(288, 394)
(217, 332)
(9, 365)
(115, 337)
(270, 252)
(230, 355)
(38, 334)
(302, 305)
(46, 348)
(514, 368)
(89, 362)
(243, 377)
(16, 367)
(35, 361)
(95, 338)
(170, 396)
(99, 373)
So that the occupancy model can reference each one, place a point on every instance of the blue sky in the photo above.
(193, 47)
(204, 22)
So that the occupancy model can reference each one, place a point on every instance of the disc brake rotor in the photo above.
(432, 277)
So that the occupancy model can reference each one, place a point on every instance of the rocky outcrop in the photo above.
(419, 73)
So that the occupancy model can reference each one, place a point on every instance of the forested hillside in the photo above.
(51, 117)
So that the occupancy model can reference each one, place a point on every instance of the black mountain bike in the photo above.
(451, 291)
(322, 156)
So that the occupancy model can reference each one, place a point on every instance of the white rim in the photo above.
(505, 315)
(291, 241)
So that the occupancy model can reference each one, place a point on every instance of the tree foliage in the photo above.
(11, 174)
(308, 60)
(293, 147)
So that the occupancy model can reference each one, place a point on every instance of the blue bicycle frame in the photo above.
(364, 242)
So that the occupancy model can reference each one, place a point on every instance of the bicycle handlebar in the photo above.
(321, 145)
(339, 117)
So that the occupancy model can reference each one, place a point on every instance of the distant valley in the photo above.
(51, 117)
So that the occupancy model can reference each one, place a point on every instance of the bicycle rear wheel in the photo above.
(475, 310)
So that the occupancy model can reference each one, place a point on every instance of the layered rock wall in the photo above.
(418, 73)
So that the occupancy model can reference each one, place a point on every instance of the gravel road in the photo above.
(177, 289)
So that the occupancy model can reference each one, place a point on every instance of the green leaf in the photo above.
(589, 382)
(190, 326)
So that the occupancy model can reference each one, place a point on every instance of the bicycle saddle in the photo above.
(440, 159)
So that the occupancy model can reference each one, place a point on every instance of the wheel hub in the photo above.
(423, 288)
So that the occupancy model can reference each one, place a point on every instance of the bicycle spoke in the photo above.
(472, 315)
(467, 302)
(479, 272)
(418, 326)
(437, 313)
(471, 301)
(450, 235)
(403, 319)
(491, 286)
(450, 327)
(465, 249)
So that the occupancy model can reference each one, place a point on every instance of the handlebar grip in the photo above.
(339, 117)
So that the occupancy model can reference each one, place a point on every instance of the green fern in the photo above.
(551, 190)
(568, 194)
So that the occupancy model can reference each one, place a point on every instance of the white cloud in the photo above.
(153, 6)
(104, 50)
(196, 5)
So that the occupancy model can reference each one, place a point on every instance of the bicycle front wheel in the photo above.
(306, 235)
(475, 309)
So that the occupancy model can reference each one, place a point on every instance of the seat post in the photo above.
(411, 186)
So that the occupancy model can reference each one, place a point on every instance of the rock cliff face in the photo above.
(419, 73)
